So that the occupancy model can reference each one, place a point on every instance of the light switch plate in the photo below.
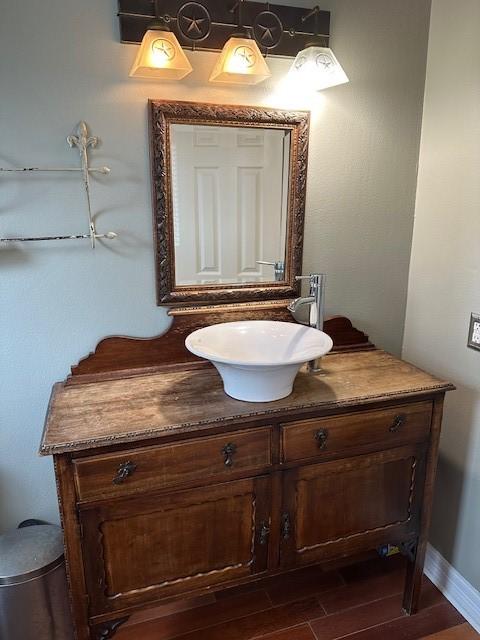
(474, 332)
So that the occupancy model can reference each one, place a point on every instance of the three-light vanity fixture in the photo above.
(245, 33)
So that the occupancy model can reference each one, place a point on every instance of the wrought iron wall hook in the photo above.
(322, 41)
(313, 12)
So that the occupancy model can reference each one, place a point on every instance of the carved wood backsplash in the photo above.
(121, 355)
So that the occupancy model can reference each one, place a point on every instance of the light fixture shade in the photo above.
(240, 62)
(318, 68)
(160, 56)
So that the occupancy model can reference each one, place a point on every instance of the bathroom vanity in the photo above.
(168, 488)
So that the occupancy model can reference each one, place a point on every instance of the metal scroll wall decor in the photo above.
(207, 25)
(82, 141)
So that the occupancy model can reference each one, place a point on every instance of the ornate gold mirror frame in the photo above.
(162, 115)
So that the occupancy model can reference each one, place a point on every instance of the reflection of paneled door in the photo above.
(229, 209)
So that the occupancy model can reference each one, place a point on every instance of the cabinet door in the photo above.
(334, 509)
(143, 549)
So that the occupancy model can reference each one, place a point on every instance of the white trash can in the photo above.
(33, 585)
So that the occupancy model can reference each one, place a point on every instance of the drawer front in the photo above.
(383, 427)
(153, 468)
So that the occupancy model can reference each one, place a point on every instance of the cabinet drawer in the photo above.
(383, 427)
(153, 468)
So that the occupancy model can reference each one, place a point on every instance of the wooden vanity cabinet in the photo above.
(163, 499)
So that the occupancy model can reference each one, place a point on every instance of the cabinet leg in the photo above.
(415, 553)
(107, 629)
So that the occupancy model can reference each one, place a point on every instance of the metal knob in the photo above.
(228, 451)
(124, 471)
(286, 526)
(398, 422)
(321, 436)
(264, 533)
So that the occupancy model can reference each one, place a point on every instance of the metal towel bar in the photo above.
(82, 142)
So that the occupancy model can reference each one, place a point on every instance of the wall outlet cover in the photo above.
(474, 332)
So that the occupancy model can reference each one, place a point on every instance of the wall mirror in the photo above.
(229, 200)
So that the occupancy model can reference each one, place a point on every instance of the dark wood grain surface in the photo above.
(135, 409)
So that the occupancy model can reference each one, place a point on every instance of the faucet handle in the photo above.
(317, 282)
(303, 278)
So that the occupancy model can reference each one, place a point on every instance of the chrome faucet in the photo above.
(316, 302)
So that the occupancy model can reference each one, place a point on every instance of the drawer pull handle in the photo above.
(228, 451)
(321, 437)
(398, 423)
(264, 533)
(286, 526)
(124, 471)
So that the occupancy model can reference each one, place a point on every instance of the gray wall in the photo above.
(444, 285)
(61, 61)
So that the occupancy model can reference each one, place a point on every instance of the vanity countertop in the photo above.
(133, 409)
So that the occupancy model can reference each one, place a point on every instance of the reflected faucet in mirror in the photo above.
(316, 311)
(279, 268)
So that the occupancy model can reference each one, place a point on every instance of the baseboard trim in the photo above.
(464, 597)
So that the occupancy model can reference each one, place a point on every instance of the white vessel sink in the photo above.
(258, 359)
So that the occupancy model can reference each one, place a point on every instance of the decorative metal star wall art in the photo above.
(267, 29)
(194, 21)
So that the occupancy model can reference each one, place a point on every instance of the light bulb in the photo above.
(160, 56)
(240, 62)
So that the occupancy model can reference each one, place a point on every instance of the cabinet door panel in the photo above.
(174, 543)
(352, 504)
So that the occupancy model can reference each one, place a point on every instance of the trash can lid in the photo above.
(29, 552)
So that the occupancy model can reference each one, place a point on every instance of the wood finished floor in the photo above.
(362, 601)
